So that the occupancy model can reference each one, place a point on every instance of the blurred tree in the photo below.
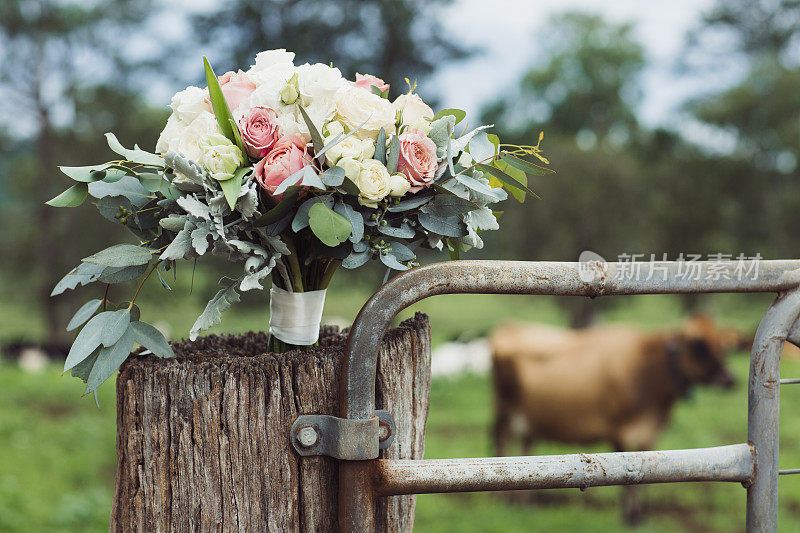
(583, 97)
(63, 64)
(760, 112)
(392, 39)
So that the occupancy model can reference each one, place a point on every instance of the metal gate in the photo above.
(357, 437)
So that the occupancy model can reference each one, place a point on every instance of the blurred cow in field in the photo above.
(610, 384)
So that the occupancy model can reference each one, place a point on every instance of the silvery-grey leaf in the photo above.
(84, 313)
(115, 326)
(411, 203)
(472, 239)
(481, 219)
(475, 185)
(109, 359)
(240, 245)
(181, 246)
(403, 232)
(128, 186)
(87, 340)
(152, 339)
(248, 202)
(441, 132)
(445, 226)
(122, 274)
(194, 207)
(360, 246)
(173, 223)
(276, 244)
(481, 148)
(401, 251)
(212, 314)
(311, 178)
(459, 144)
(188, 168)
(200, 239)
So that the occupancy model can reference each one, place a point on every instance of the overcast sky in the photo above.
(501, 25)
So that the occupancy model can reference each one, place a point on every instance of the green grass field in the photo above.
(57, 454)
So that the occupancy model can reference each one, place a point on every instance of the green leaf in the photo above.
(83, 314)
(233, 187)
(237, 137)
(312, 129)
(87, 340)
(391, 261)
(135, 155)
(329, 226)
(109, 359)
(525, 166)
(86, 174)
(82, 274)
(117, 323)
(394, 155)
(458, 113)
(84, 368)
(221, 110)
(152, 339)
(380, 147)
(72, 197)
(515, 180)
(152, 182)
(446, 226)
(121, 255)
(448, 205)
(280, 210)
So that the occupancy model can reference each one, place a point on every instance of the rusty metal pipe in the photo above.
(724, 463)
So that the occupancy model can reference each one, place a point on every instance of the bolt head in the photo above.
(307, 436)
(383, 432)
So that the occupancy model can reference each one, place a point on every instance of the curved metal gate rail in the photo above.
(357, 437)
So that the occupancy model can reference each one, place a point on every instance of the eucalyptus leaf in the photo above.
(84, 313)
(333, 177)
(355, 217)
(86, 174)
(311, 179)
(411, 203)
(72, 197)
(109, 360)
(459, 114)
(355, 259)
(391, 261)
(294, 179)
(446, 226)
(300, 220)
(136, 155)
(401, 251)
(448, 205)
(380, 147)
(161, 279)
(525, 166)
(116, 325)
(316, 138)
(83, 274)
(403, 232)
(84, 368)
(394, 154)
(87, 340)
(152, 339)
(122, 274)
(329, 226)
(111, 208)
(121, 255)
(128, 187)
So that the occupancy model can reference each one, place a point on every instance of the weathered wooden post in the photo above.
(203, 439)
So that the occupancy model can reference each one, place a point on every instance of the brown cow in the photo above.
(606, 384)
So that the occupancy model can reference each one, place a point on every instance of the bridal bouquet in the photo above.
(293, 171)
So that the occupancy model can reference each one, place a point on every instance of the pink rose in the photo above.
(365, 81)
(287, 157)
(236, 88)
(417, 159)
(259, 131)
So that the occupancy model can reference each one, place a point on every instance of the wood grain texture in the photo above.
(202, 439)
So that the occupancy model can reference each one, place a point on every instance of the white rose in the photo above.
(318, 82)
(413, 108)
(352, 168)
(373, 183)
(271, 58)
(168, 140)
(357, 107)
(290, 123)
(334, 128)
(319, 111)
(220, 156)
(189, 103)
(350, 147)
(188, 142)
(398, 185)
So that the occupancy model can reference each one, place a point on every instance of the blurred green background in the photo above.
(673, 127)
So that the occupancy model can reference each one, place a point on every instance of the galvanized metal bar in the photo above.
(553, 278)
(724, 463)
(763, 409)
(357, 484)
(788, 471)
(792, 381)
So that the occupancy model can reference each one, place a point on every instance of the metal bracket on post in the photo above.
(343, 438)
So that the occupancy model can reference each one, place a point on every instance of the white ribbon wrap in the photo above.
(295, 317)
